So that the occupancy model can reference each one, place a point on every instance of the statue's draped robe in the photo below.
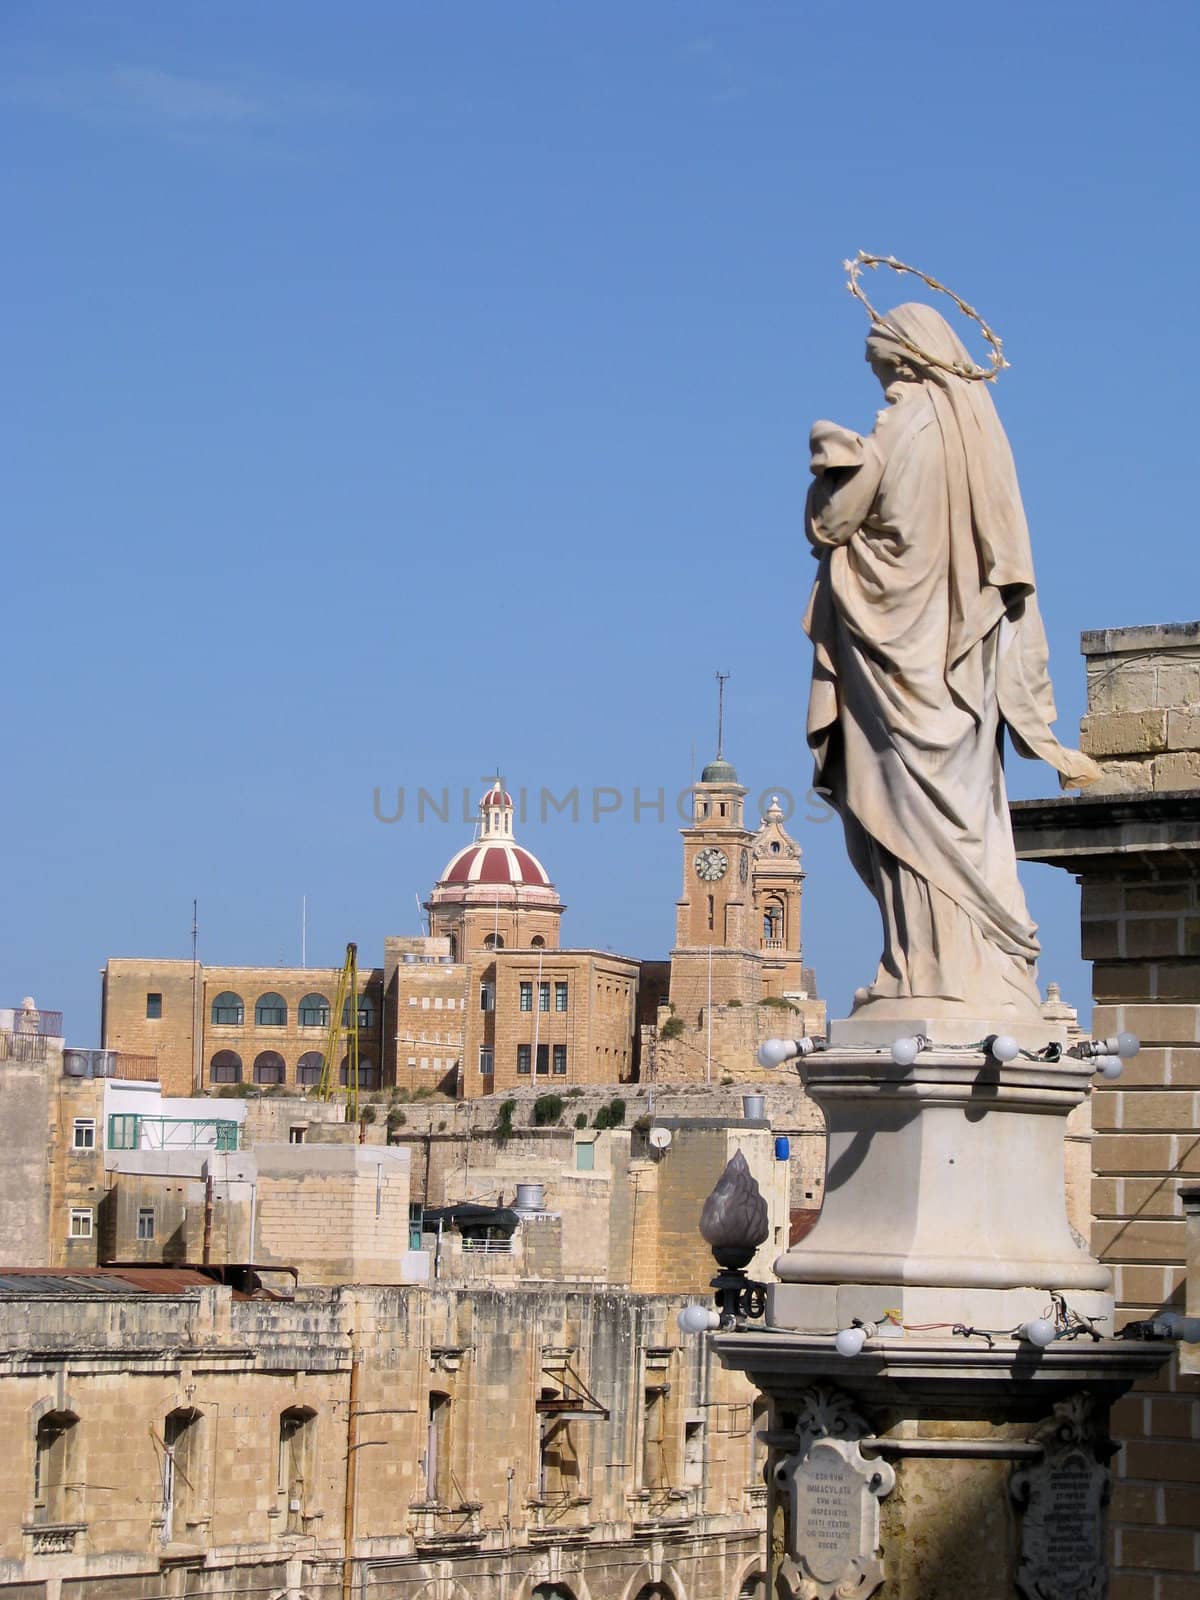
(928, 642)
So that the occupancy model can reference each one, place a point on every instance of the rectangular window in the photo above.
(295, 1135)
(560, 997)
(122, 1133)
(154, 1006)
(424, 1002)
(527, 997)
(84, 1136)
(543, 1061)
(487, 997)
(560, 1060)
(487, 1060)
(81, 1224)
(585, 1157)
(145, 1222)
(523, 1057)
(437, 1002)
(543, 997)
(693, 1454)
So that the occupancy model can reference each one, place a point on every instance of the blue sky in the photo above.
(396, 390)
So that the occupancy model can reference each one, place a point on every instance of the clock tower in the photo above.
(712, 952)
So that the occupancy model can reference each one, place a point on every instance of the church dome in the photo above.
(494, 858)
(496, 863)
(719, 771)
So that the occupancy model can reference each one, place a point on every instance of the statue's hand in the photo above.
(834, 447)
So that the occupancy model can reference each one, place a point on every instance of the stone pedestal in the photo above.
(951, 1457)
(937, 1468)
(944, 1196)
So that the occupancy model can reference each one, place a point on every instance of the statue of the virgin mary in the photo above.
(929, 644)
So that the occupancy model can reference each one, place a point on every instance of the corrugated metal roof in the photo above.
(34, 1282)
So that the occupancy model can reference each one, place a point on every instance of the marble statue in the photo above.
(928, 645)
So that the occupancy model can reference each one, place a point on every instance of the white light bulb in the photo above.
(1107, 1066)
(1005, 1048)
(849, 1341)
(774, 1052)
(1128, 1045)
(1039, 1332)
(697, 1319)
(905, 1051)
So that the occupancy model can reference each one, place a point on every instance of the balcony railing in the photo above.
(21, 1046)
(136, 1069)
(43, 1024)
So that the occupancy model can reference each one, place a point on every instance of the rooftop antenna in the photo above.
(722, 679)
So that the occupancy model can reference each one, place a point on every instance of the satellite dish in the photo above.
(660, 1138)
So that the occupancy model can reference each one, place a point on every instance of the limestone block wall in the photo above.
(24, 1173)
(413, 1419)
(1134, 844)
(737, 1032)
(1143, 708)
(339, 1214)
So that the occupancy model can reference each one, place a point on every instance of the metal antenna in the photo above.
(722, 679)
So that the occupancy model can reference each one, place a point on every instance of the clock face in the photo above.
(711, 864)
(744, 865)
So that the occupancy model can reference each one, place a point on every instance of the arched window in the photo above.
(438, 1444)
(297, 1452)
(56, 1493)
(269, 1067)
(225, 1067)
(454, 947)
(368, 1073)
(271, 1011)
(366, 1013)
(228, 1011)
(181, 1471)
(314, 1011)
(537, 942)
(309, 1068)
(494, 941)
(773, 922)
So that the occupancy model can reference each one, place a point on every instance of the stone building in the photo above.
(168, 1436)
(212, 1026)
(1133, 843)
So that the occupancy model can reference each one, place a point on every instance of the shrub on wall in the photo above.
(547, 1109)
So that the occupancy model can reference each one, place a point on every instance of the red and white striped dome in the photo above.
(497, 863)
(495, 858)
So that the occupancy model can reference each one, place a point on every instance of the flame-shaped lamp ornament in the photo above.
(734, 1220)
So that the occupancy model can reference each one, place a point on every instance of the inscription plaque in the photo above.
(827, 1499)
(832, 1492)
(1062, 1530)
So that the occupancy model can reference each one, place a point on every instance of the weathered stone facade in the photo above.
(1133, 842)
(406, 1443)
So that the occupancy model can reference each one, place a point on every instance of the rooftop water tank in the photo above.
(530, 1197)
(77, 1063)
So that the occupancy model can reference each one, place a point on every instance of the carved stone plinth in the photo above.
(944, 1195)
(936, 1468)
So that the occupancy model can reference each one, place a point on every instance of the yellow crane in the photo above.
(343, 1025)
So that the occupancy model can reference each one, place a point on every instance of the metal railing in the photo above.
(21, 1046)
(42, 1024)
(136, 1069)
(487, 1247)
